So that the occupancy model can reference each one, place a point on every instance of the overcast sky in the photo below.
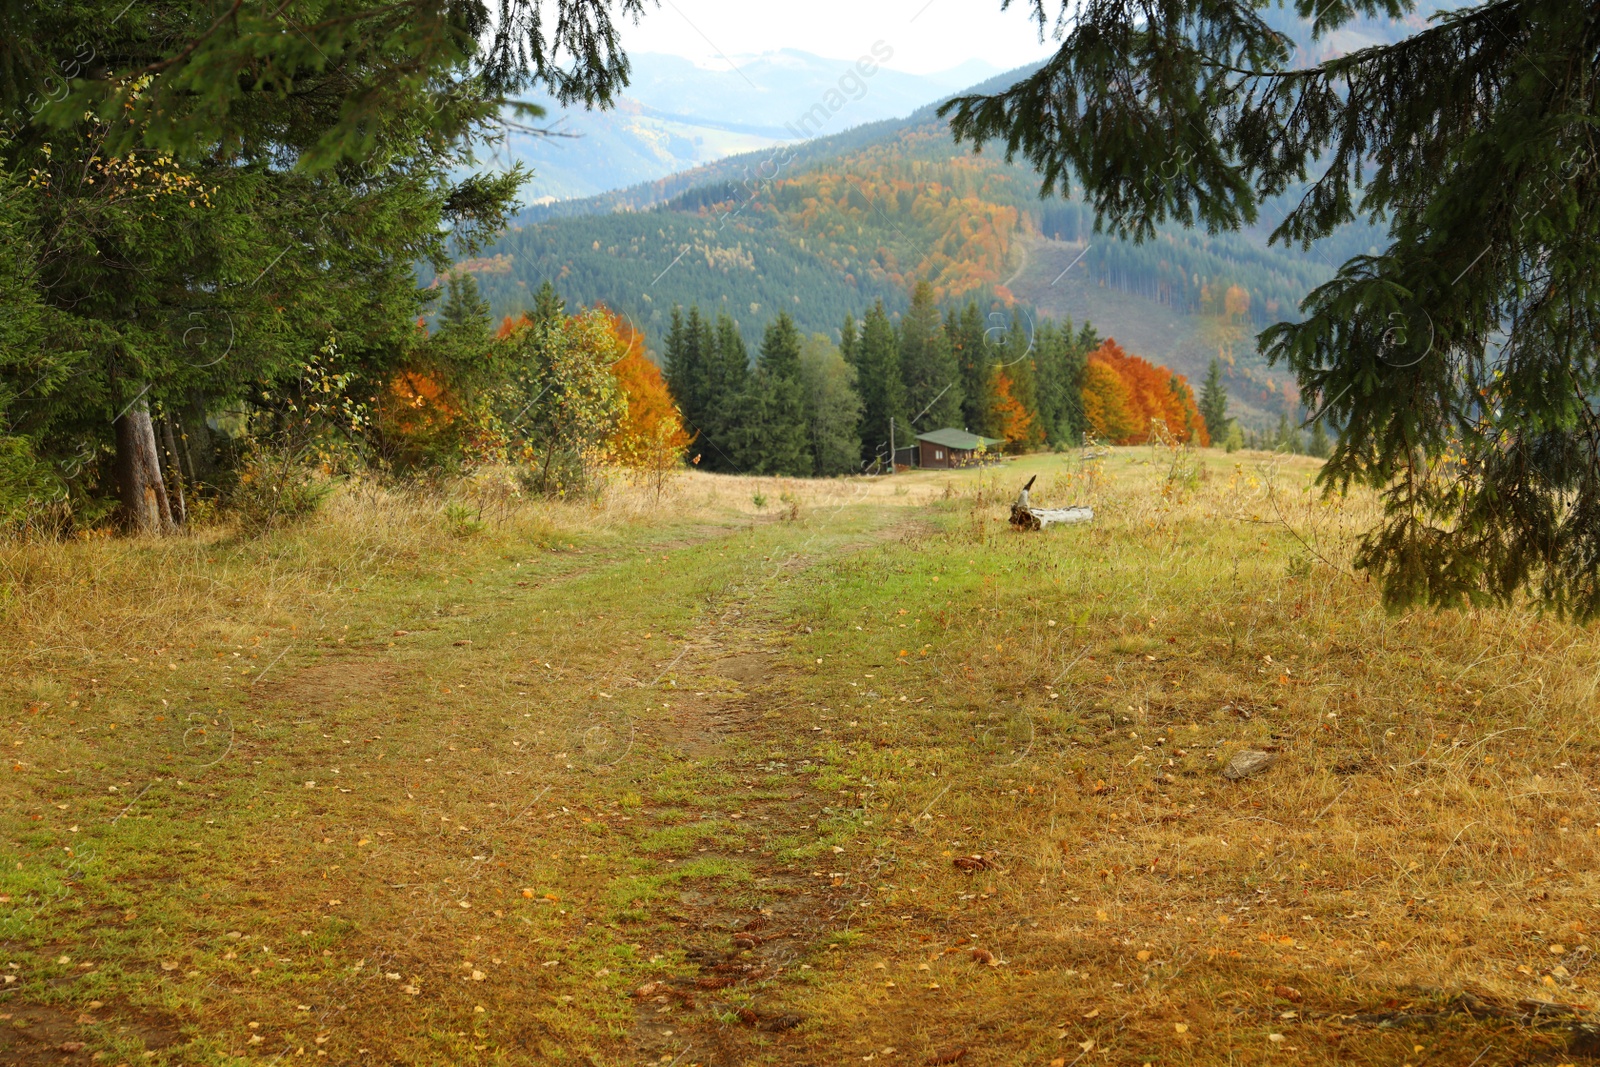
(926, 35)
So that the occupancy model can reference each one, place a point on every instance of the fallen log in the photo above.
(1025, 516)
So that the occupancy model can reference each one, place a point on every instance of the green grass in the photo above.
(601, 803)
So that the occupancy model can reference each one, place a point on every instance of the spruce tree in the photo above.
(882, 392)
(772, 434)
(1060, 363)
(966, 340)
(686, 371)
(1319, 445)
(927, 365)
(1286, 438)
(849, 338)
(833, 408)
(1214, 403)
(727, 381)
(464, 311)
(1472, 334)
(548, 305)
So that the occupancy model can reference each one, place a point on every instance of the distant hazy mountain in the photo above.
(677, 115)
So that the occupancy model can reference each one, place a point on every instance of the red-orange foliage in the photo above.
(1143, 396)
(416, 404)
(1011, 418)
(651, 435)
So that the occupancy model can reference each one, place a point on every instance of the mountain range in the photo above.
(827, 225)
(677, 115)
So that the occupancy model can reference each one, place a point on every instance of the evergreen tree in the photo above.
(727, 382)
(687, 372)
(548, 305)
(833, 408)
(1088, 338)
(771, 434)
(849, 338)
(878, 381)
(1319, 446)
(1286, 438)
(1471, 142)
(1060, 364)
(464, 311)
(1214, 403)
(928, 367)
(707, 370)
(232, 214)
(972, 357)
(1013, 396)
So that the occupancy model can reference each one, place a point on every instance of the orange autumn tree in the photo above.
(1127, 397)
(419, 413)
(1009, 417)
(650, 437)
(1105, 405)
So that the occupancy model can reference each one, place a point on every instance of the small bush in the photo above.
(28, 488)
(276, 489)
(463, 520)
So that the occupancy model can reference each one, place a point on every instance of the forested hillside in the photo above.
(835, 224)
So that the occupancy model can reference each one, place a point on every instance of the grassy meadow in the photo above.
(766, 771)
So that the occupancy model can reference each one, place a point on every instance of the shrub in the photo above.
(28, 487)
(276, 488)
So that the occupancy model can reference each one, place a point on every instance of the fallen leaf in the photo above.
(1289, 993)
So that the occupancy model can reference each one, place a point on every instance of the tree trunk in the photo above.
(174, 468)
(139, 485)
(198, 447)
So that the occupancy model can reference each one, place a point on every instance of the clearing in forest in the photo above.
(762, 771)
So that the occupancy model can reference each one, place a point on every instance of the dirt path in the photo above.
(741, 942)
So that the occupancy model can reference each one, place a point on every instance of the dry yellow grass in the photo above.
(727, 744)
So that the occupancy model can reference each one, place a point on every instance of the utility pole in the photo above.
(891, 444)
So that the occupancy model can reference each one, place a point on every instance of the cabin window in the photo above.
(938, 454)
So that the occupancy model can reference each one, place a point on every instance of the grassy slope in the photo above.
(697, 786)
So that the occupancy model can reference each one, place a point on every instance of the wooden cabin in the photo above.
(952, 448)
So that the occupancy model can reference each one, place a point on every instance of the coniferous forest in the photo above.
(815, 407)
